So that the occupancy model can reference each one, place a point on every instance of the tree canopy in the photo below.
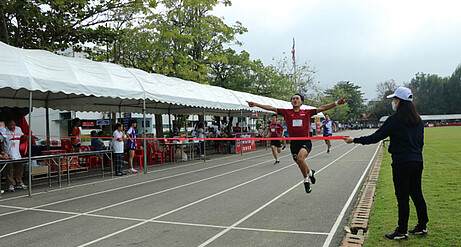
(59, 24)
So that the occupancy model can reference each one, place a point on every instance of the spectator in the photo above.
(3, 154)
(117, 145)
(131, 145)
(200, 134)
(237, 129)
(101, 135)
(76, 136)
(13, 136)
(96, 143)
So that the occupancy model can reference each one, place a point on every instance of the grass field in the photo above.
(441, 188)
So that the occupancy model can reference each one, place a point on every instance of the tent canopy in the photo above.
(67, 83)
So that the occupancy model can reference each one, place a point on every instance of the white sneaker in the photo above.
(2, 191)
(132, 170)
(11, 188)
(22, 186)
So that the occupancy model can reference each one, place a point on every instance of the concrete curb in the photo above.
(357, 230)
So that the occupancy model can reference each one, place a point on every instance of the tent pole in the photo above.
(169, 121)
(47, 115)
(204, 142)
(30, 143)
(241, 133)
(144, 134)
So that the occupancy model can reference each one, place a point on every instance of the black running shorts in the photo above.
(296, 145)
(276, 143)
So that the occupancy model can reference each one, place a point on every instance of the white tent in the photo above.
(67, 83)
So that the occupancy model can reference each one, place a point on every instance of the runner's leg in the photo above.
(274, 153)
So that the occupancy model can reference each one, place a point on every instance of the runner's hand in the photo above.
(341, 101)
(251, 104)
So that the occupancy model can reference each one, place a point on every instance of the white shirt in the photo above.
(117, 145)
(200, 133)
(12, 146)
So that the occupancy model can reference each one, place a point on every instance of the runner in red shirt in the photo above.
(297, 121)
(275, 130)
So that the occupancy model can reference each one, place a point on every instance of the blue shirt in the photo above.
(132, 134)
(327, 127)
(286, 132)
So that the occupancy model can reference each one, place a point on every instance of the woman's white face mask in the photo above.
(394, 105)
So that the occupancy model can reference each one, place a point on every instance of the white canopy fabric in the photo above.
(67, 83)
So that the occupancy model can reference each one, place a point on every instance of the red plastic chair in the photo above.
(139, 155)
(90, 161)
(65, 145)
(168, 152)
(155, 152)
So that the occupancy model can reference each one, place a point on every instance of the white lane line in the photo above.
(165, 222)
(138, 198)
(348, 202)
(265, 205)
(279, 231)
(125, 177)
(187, 205)
(135, 184)
(176, 187)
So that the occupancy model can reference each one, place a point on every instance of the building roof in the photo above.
(433, 117)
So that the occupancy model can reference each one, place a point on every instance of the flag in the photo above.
(293, 50)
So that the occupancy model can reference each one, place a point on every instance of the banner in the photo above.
(245, 145)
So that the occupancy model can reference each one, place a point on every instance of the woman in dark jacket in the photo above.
(406, 131)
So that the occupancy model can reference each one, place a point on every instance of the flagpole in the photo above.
(294, 60)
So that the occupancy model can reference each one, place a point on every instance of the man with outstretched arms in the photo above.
(297, 121)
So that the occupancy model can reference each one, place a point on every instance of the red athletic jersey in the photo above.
(297, 122)
(275, 129)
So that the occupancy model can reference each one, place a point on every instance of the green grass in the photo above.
(441, 188)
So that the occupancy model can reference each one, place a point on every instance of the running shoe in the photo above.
(11, 188)
(283, 148)
(397, 235)
(418, 231)
(22, 186)
(328, 151)
(276, 162)
(307, 187)
(2, 191)
(132, 170)
(312, 178)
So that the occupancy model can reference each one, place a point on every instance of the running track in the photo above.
(230, 200)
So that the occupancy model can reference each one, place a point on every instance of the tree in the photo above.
(302, 79)
(452, 90)
(338, 113)
(188, 38)
(383, 105)
(354, 97)
(58, 24)
(429, 93)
